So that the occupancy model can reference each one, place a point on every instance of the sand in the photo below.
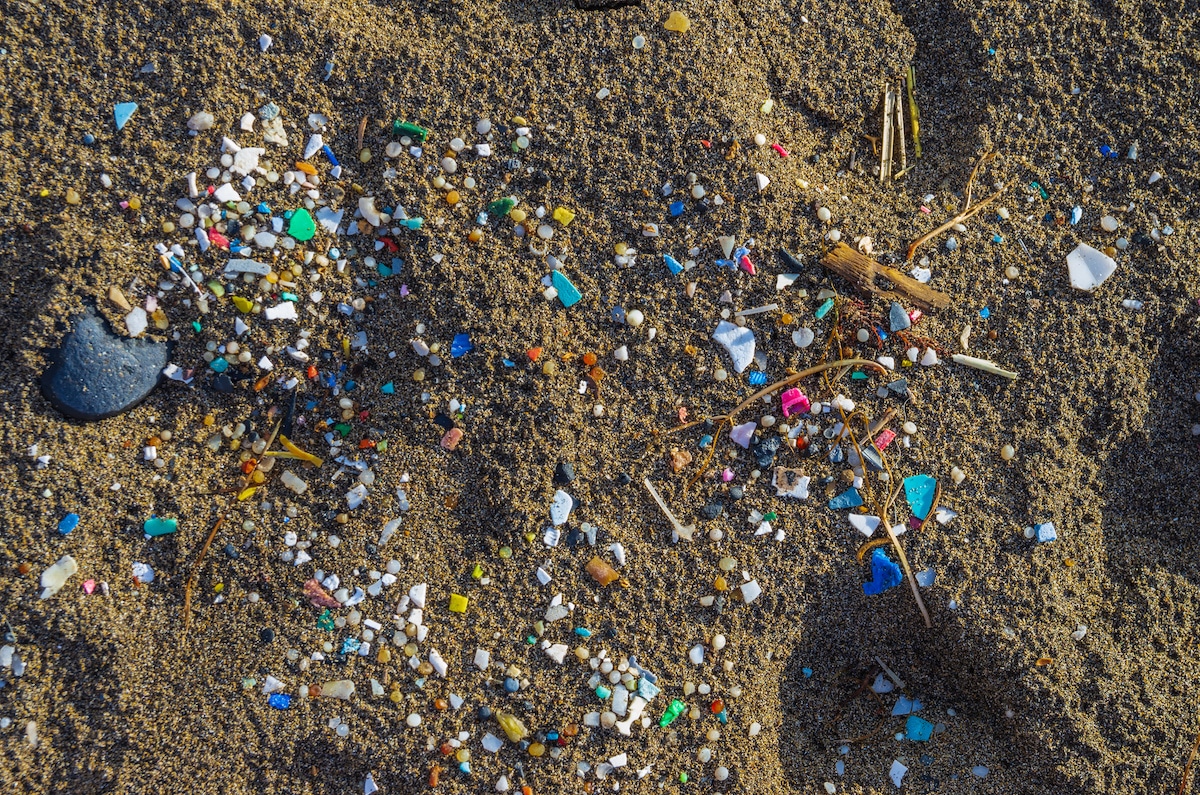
(1101, 416)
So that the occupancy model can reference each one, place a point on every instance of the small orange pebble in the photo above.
(154, 441)
(311, 372)
(307, 168)
(533, 354)
(689, 349)
(526, 790)
(451, 439)
(446, 749)
(475, 236)
(720, 584)
(440, 704)
(717, 707)
(589, 359)
(434, 773)
(706, 144)
(570, 730)
(1044, 661)
(1069, 562)
(24, 569)
(261, 383)
(366, 444)
(452, 198)
(596, 374)
(786, 319)
(127, 443)
(248, 466)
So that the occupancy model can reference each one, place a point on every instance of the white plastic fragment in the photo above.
(416, 594)
(1089, 268)
(313, 146)
(864, 523)
(762, 180)
(750, 591)
(136, 321)
(284, 311)
(897, 772)
(369, 786)
(738, 341)
(56, 576)
(202, 120)
(696, 654)
(438, 663)
(264, 44)
(238, 265)
(560, 509)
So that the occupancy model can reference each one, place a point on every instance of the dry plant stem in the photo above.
(195, 573)
(1187, 769)
(898, 125)
(362, 129)
(891, 674)
(958, 219)
(989, 157)
(791, 379)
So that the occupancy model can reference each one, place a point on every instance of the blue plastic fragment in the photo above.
(122, 112)
(705, 441)
(907, 706)
(727, 263)
(1045, 532)
(1076, 214)
(808, 672)
(917, 729)
(567, 292)
(919, 490)
(985, 313)
(723, 716)
(350, 645)
(618, 314)
(461, 345)
(1107, 151)
(219, 364)
(68, 523)
(89, 139)
(350, 385)
(757, 378)
(673, 264)
(412, 223)
(279, 700)
(388, 389)
(509, 363)
(884, 574)
(647, 689)
(676, 208)
(633, 663)
(583, 632)
(329, 154)
(824, 308)
(850, 498)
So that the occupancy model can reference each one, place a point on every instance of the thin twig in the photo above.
(958, 219)
(1187, 769)
(362, 129)
(195, 573)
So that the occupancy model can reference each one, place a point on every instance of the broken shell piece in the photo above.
(791, 483)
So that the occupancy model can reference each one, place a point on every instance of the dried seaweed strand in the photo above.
(195, 573)
(1187, 769)
(968, 211)
(362, 129)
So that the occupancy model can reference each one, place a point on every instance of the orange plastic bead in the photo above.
(475, 236)
(452, 198)
(589, 359)
(717, 707)
(440, 704)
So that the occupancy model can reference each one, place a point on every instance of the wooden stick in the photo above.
(862, 272)
(899, 124)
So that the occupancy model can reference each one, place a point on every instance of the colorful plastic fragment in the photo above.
(884, 574)
(919, 490)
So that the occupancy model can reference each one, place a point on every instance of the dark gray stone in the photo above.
(96, 374)
(564, 473)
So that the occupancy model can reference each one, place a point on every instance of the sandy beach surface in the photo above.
(1067, 666)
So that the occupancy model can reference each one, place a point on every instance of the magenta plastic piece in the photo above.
(884, 439)
(794, 402)
(727, 474)
(746, 264)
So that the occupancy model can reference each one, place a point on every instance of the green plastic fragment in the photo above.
(502, 206)
(290, 296)
(157, 526)
(302, 226)
(824, 308)
(674, 711)
(1041, 191)
(683, 778)
(770, 517)
(411, 130)
(506, 552)
(477, 572)
(382, 446)
(858, 376)
(343, 429)
(217, 288)
(325, 621)
(196, 325)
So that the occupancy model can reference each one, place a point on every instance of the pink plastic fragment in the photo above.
(782, 152)
(914, 523)
(740, 434)
(925, 209)
(727, 474)
(884, 439)
(746, 264)
(794, 402)
(89, 586)
(451, 439)
(915, 315)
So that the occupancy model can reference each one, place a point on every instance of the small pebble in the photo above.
(1007, 452)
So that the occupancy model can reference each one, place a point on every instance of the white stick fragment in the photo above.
(891, 674)
(758, 310)
(678, 530)
(984, 365)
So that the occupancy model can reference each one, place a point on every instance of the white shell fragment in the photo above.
(1089, 268)
(738, 341)
(55, 577)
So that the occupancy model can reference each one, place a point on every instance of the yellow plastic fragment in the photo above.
(512, 726)
(247, 493)
(296, 452)
(677, 22)
(564, 216)
(346, 346)
(242, 303)
(458, 604)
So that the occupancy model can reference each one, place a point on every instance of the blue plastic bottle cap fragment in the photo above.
(847, 499)
(461, 345)
(1045, 532)
(673, 264)
(279, 700)
(884, 574)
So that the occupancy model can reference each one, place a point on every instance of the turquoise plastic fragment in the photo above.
(919, 490)
(850, 498)
(673, 264)
(122, 112)
(388, 389)
(917, 729)
(157, 526)
(413, 223)
(567, 292)
(219, 364)
(824, 308)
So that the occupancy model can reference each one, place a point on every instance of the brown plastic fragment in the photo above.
(601, 572)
